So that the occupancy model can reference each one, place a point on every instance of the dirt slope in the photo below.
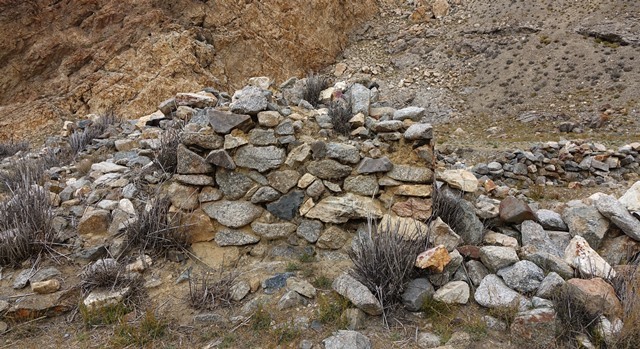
(65, 59)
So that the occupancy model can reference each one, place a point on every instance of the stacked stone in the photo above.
(561, 163)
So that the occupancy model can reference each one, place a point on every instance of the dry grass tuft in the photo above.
(154, 231)
(209, 291)
(384, 260)
(167, 157)
(315, 84)
(340, 114)
(11, 148)
(79, 139)
(109, 274)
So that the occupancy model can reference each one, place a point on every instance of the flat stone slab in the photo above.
(232, 214)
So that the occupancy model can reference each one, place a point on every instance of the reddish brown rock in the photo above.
(469, 251)
(595, 296)
(419, 209)
(536, 325)
(514, 210)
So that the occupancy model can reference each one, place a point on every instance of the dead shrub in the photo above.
(108, 274)
(167, 157)
(627, 287)
(11, 148)
(210, 291)
(79, 139)
(314, 85)
(25, 224)
(340, 114)
(154, 230)
(384, 259)
(574, 318)
(445, 203)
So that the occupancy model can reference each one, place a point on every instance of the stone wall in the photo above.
(251, 175)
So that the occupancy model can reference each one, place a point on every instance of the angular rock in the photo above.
(260, 158)
(347, 339)
(550, 286)
(301, 286)
(494, 293)
(476, 271)
(547, 261)
(273, 231)
(411, 113)
(497, 239)
(523, 276)
(344, 153)
(419, 209)
(413, 174)
(202, 140)
(419, 132)
(369, 165)
(94, 222)
(533, 234)
(107, 167)
(339, 209)
(328, 169)
(513, 210)
(269, 118)
(290, 299)
(416, 293)
(309, 230)
(454, 292)
(595, 296)
(221, 158)
(416, 190)
(387, 126)
(618, 214)
(460, 179)
(551, 220)
(265, 194)
(586, 221)
(284, 180)
(360, 96)
(232, 214)
(287, 206)
(408, 228)
(362, 185)
(434, 259)
(332, 238)
(234, 185)
(586, 260)
(250, 100)
(183, 196)
(191, 163)
(262, 137)
(498, 257)
(357, 293)
(298, 155)
(230, 237)
(631, 198)
(535, 326)
(30, 307)
(198, 180)
(442, 234)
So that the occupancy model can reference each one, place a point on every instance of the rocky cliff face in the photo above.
(65, 59)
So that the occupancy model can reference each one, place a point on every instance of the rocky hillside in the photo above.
(66, 59)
